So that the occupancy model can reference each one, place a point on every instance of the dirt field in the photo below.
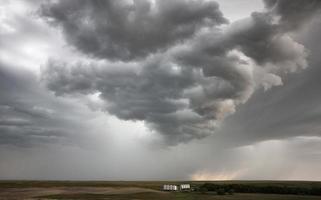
(69, 190)
(37, 193)
(124, 193)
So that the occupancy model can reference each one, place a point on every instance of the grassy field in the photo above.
(182, 196)
(147, 184)
(138, 190)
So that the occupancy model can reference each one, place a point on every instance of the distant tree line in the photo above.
(252, 188)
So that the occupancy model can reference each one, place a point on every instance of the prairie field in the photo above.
(138, 190)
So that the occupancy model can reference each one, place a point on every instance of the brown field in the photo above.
(121, 190)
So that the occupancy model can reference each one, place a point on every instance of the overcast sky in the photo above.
(160, 90)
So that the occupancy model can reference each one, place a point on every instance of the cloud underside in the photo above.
(176, 65)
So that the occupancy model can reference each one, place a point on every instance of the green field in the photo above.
(138, 190)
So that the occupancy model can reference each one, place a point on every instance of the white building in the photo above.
(170, 187)
(185, 186)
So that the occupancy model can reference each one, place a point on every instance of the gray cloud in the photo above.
(121, 30)
(294, 14)
(288, 111)
(266, 43)
(186, 90)
(29, 115)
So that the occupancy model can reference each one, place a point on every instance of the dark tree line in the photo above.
(266, 189)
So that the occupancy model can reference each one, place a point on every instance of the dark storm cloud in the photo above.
(154, 94)
(266, 43)
(294, 14)
(211, 79)
(288, 111)
(188, 88)
(124, 30)
(28, 115)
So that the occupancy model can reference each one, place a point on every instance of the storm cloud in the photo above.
(284, 112)
(124, 30)
(291, 14)
(29, 116)
(212, 90)
(189, 80)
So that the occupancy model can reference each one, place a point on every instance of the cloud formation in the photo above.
(30, 116)
(293, 14)
(185, 82)
(182, 89)
(284, 112)
(126, 30)
(20, 118)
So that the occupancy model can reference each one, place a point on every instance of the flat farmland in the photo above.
(121, 190)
